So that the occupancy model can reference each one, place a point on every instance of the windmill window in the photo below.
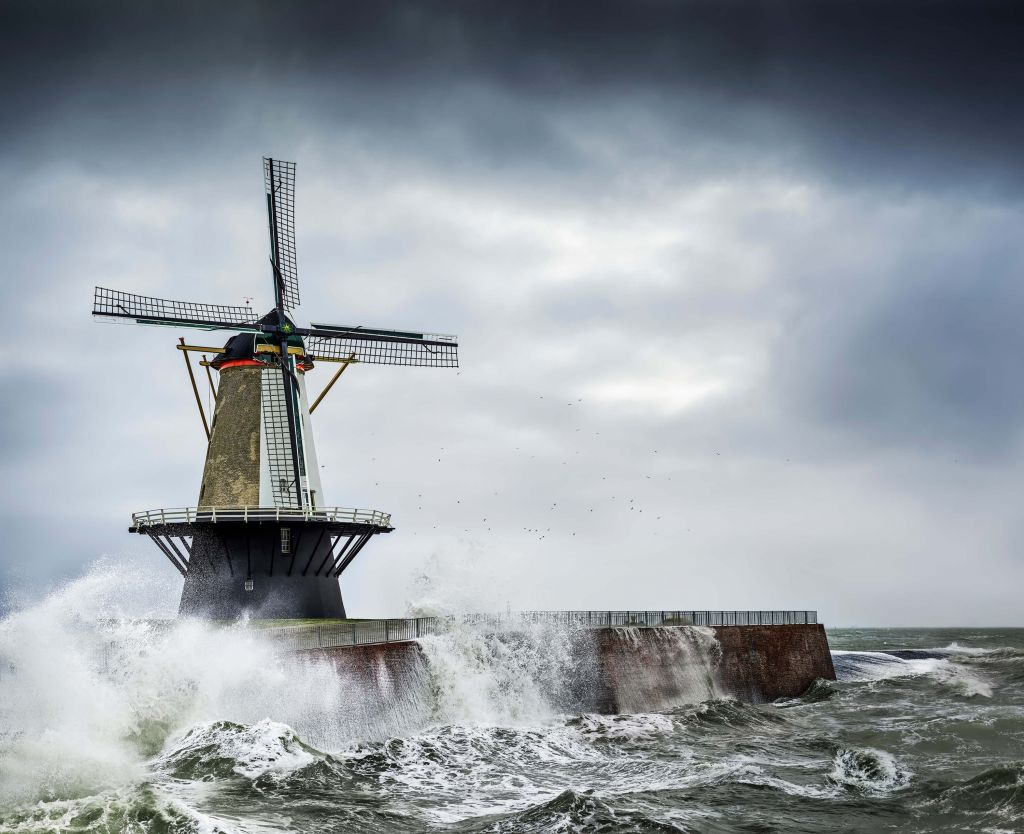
(286, 540)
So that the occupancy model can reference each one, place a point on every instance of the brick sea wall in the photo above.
(628, 669)
(762, 663)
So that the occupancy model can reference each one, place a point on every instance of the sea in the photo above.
(126, 724)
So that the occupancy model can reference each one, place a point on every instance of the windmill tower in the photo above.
(261, 539)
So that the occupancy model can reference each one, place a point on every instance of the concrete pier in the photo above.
(762, 663)
(645, 669)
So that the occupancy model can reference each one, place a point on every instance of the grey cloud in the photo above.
(924, 353)
(618, 208)
(894, 92)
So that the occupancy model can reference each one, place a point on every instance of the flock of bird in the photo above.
(540, 530)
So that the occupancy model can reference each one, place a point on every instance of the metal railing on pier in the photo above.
(373, 632)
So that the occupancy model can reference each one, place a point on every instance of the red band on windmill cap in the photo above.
(241, 363)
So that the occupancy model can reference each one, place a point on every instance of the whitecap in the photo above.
(868, 769)
(861, 667)
(252, 751)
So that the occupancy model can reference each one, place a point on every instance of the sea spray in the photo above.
(88, 695)
(655, 669)
(136, 725)
(505, 672)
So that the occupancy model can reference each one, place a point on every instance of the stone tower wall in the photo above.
(231, 477)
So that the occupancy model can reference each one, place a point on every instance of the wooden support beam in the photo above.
(199, 348)
(209, 376)
(329, 385)
(195, 390)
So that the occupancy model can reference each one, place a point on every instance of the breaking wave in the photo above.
(998, 791)
(112, 722)
(869, 770)
(862, 667)
(222, 748)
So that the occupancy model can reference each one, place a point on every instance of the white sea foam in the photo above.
(87, 696)
(630, 727)
(869, 770)
(859, 667)
(956, 648)
(512, 676)
(254, 750)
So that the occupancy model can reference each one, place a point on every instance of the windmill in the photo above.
(260, 539)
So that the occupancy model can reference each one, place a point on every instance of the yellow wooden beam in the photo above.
(346, 361)
(195, 390)
(209, 375)
(329, 385)
(296, 351)
(199, 348)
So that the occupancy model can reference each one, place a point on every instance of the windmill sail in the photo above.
(382, 347)
(277, 439)
(144, 309)
(279, 180)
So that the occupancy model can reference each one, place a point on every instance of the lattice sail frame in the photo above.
(376, 351)
(146, 309)
(279, 179)
(328, 342)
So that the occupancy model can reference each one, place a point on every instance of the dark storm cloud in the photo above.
(755, 266)
(871, 89)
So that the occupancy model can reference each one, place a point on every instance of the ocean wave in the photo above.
(863, 667)
(726, 713)
(220, 749)
(868, 770)
(820, 690)
(455, 773)
(956, 648)
(997, 793)
(138, 808)
(470, 769)
(622, 728)
(581, 812)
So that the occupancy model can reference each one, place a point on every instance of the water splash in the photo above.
(655, 669)
(88, 696)
(868, 770)
(509, 674)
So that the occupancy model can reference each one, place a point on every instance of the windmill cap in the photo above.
(251, 349)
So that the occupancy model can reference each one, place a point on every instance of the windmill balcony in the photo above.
(212, 515)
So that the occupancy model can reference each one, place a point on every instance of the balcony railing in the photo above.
(190, 515)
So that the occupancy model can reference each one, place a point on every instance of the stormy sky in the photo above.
(738, 288)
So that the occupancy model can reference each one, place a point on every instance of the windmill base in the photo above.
(261, 570)
(281, 597)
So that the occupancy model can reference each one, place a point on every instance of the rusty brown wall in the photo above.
(365, 662)
(385, 688)
(231, 477)
(762, 663)
(620, 669)
(638, 667)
